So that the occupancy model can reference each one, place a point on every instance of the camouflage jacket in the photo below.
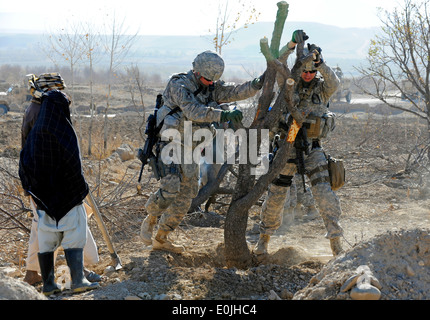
(201, 106)
(313, 98)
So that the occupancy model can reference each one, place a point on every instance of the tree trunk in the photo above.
(428, 124)
(247, 191)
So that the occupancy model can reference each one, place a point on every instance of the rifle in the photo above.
(302, 148)
(291, 130)
(146, 154)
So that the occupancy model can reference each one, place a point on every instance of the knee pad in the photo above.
(283, 181)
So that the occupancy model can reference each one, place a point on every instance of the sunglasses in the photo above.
(310, 71)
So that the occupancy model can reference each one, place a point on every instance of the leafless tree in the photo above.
(136, 88)
(398, 62)
(228, 19)
(91, 44)
(13, 208)
(117, 42)
(65, 45)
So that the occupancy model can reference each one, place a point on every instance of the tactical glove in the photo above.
(235, 116)
(299, 36)
(257, 83)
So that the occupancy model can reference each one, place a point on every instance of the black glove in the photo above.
(257, 83)
(235, 116)
(318, 56)
(299, 36)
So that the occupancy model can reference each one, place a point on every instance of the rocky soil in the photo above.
(385, 218)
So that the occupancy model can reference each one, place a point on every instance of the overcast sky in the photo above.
(185, 17)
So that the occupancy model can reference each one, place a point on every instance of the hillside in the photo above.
(345, 47)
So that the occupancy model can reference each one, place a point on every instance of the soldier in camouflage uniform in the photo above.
(311, 95)
(196, 96)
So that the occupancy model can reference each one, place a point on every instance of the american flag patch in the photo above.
(292, 133)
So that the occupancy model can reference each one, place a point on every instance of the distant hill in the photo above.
(345, 47)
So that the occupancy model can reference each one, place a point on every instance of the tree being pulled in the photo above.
(248, 190)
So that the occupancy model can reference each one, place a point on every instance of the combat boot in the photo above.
(46, 263)
(147, 228)
(75, 258)
(312, 213)
(161, 242)
(336, 246)
(262, 244)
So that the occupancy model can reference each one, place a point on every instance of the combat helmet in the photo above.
(310, 66)
(209, 65)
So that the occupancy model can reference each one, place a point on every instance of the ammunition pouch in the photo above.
(160, 170)
(313, 125)
(319, 127)
(336, 171)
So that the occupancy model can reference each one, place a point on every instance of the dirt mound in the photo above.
(399, 260)
(288, 256)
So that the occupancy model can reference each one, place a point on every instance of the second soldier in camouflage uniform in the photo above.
(197, 96)
(311, 95)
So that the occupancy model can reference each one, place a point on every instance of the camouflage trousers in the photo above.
(326, 199)
(173, 199)
(297, 194)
